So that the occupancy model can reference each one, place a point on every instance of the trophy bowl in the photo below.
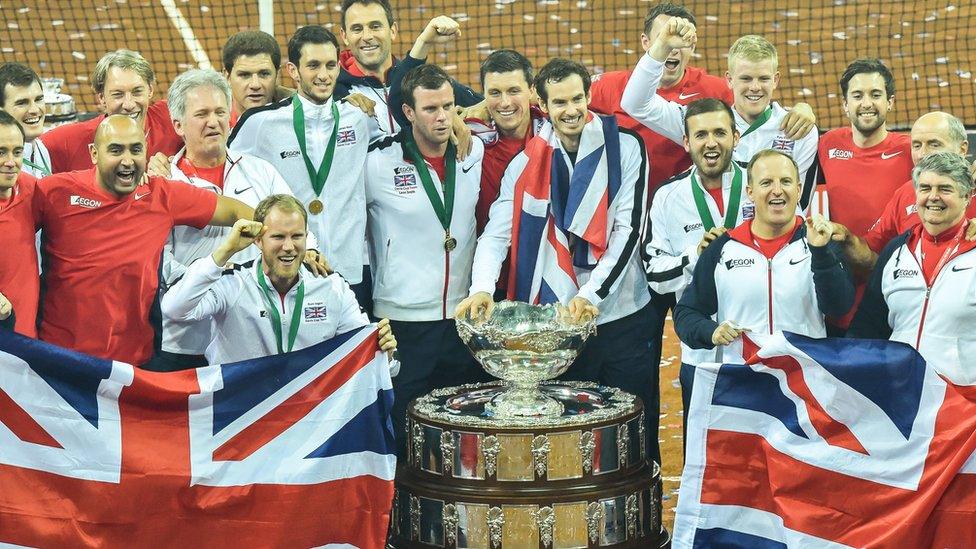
(524, 345)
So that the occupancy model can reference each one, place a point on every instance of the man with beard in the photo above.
(694, 208)
(368, 29)
(104, 230)
(579, 252)
(753, 74)
(266, 306)
(22, 96)
(124, 83)
(421, 202)
(318, 145)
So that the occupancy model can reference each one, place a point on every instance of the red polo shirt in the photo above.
(667, 158)
(102, 256)
(68, 144)
(899, 215)
(18, 260)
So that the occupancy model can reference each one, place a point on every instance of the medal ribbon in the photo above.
(732, 209)
(44, 169)
(758, 121)
(317, 177)
(445, 209)
(275, 317)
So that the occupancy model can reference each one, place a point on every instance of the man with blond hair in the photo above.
(753, 74)
(124, 83)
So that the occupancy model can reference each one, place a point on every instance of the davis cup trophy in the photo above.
(527, 463)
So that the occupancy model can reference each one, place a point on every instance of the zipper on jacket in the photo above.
(389, 115)
(921, 321)
(769, 285)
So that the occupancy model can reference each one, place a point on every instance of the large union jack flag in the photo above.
(295, 450)
(828, 443)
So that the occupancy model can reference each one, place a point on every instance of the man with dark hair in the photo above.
(18, 261)
(22, 96)
(680, 82)
(100, 288)
(319, 147)
(580, 252)
(251, 61)
(250, 305)
(694, 208)
(368, 29)
(124, 83)
(846, 154)
(421, 203)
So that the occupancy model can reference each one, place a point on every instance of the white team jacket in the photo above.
(242, 330)
(267, 133)
(246, 178)
(414, 278)
(36, 153)
(937, 321)
(674, 231)
(641, 101)
(734, 281)
(616, 284)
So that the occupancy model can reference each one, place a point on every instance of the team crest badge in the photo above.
(346, 136)
(404, 181)
(314, 313)
(784, 145)
(748, 211)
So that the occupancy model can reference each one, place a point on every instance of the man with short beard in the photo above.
(318, 144)
(421, 203)
(22, 96)
(104, 230)
(124, 83)
(580, 252)
(368, 29)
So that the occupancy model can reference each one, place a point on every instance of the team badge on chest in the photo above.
(404, 180)
(314, 313)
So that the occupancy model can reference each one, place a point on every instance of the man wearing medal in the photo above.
(319, 146)
(692, 209)
(269, 305)
(22, 96)
(569, 216)
(421, 202)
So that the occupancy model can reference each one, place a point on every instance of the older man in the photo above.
(923, 289)
(771, 273)
(266, 306)
(104, 230)
(199, 101)
(124, 83)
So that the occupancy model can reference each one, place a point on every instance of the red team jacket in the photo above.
(667, 158)
(68, 144)
(18, 259)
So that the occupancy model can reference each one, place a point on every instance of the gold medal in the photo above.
(315, 207)
(449, 242)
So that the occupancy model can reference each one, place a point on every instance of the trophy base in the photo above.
(519, 402)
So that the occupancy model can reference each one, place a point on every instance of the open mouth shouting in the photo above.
(126, 177)
(777, 205)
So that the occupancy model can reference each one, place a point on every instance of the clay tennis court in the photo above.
(923, 42)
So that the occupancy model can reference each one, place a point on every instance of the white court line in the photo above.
(183, 26)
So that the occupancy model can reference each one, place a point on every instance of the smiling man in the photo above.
(577, 188)
(753, 74)
(104, 230)
(22, 96)
(124, 83)
(318, 144)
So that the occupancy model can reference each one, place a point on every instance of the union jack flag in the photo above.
(828, 443)
(405, 180)
(293, 450)
(553, 208)
(315, 312)
(346, 136)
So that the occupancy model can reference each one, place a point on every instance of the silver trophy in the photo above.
(525, 345)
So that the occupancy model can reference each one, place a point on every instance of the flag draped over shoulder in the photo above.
(292, 450)
(828, 443)
(562, 220)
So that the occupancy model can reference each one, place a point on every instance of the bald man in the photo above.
(104, 231)
(932, 132)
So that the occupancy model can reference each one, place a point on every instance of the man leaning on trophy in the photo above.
(568, 216)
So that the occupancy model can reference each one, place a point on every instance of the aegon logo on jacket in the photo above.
(902, 273)
(733, 263)
(76, 200)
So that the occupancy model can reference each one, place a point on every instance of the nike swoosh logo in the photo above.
(689, 95)
(236, 191)
(141, 196)
(886, 156)
(798, 261)
(467, 170)
(956, 269)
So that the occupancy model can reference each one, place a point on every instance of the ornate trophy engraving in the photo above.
(540, 454)
(414, 517)
(496, 521)
(546, 519)
(525, 345)
(594, 516)
(587, 445)
(622, 438)
(450, 523)
(447, 451)
(630, 511)
(490, 448)
(418, 443)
